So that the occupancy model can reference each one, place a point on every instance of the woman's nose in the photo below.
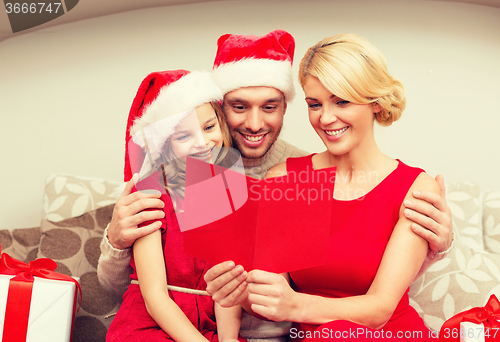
(328, 116)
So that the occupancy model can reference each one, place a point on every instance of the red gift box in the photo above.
(20, 289)
(489, 316)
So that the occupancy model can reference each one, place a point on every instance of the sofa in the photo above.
(75, 212)
(77, 209)
(471, 271)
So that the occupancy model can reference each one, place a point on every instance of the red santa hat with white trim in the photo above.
(251, 61)
(162, 101)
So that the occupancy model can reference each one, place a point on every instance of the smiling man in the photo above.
(256, 117)
(255, 74)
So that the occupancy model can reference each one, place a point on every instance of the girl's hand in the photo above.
(226, 284)
(271, 296)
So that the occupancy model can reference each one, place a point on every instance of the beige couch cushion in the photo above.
(464, 279)
(491, 222)
(465, 201)
(70, 196)
(469, 274)
(21, 244)
(74, 245)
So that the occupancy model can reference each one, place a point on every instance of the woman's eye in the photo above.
(342, 103)
(209, 127)
(314, 105)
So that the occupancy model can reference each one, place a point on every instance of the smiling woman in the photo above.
(340, 124)
(355, 72)
(370, 240)
(347, 88)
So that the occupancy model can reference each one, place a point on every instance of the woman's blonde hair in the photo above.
(174, 171)
(353, 69)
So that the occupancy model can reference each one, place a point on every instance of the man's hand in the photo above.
(129, 213)
(226, 283)
(431, 217)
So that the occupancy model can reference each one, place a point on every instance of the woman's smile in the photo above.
(335, 134)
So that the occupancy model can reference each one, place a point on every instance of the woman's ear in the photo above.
(376, 107)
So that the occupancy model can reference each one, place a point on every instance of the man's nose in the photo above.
(255, 120)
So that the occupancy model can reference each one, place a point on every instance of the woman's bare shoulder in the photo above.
(424, 182)
(277, 170)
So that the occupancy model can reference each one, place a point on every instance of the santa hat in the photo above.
(162, 101)
(251, 61)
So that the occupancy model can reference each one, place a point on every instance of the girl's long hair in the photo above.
(174, 170)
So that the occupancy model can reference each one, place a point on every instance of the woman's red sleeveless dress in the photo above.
(359, 235)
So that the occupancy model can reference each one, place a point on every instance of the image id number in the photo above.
(470, 332)
(32, 7)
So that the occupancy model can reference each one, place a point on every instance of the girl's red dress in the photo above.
(133, 322)
(360, 231)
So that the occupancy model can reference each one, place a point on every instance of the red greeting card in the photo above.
(277, 225)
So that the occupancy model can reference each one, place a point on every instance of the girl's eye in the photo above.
(182, 137)
(209, 127)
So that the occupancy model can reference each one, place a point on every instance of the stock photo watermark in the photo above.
(24, 15)
(298, 186)
(358, 333)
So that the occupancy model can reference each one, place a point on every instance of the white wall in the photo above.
(65, 91)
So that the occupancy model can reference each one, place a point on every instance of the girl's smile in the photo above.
(197, 135)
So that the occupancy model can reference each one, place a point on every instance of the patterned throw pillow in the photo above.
(463, 279)
(70, 196)
(465, 202)
(491, 222)
(21, 244)
(468, 275)
(74, 245)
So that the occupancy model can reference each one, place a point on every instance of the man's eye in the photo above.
(269, 108)
(238, 107)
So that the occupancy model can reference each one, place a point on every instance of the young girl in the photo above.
(174, 115)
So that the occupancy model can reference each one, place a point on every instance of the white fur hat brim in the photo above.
(256, 73)
(189, 92)
(153, 138)
(174, 102)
